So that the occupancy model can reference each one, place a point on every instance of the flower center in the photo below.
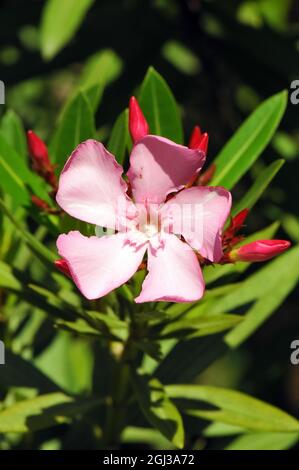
(150, 230)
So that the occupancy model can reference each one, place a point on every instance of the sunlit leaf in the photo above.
(100, 70)
(60, 21)
(43, 411)
(119, 137)
(160, 108)
(13, 130)
(264, 441)
(232, 407)
(249, 141)
(259, 186)
(76, 124)
(158, 409)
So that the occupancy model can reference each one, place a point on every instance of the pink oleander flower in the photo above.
(172, 225)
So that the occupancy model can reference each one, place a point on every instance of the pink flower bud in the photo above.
(261, 250)
(199, 141)
(138, 125)
(62, 265)
(40, 158)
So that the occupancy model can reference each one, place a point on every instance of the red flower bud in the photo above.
(40, 159)
(62, 265)
(199, 141)
(239, 219)
(195, 138)
(138, 125)
(235, 225)
(261, 250)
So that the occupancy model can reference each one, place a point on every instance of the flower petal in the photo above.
(99, 265)
(174, 273)
(199, 214)
(91, 187)
(159, 166)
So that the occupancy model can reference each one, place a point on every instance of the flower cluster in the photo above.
(162, 215)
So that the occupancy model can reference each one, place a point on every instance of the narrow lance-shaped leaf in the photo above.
(60, 21)
(264, 441)
(19, 372)
(100, 70)
(278, 278)
(43, 253)
(158, 409)
(43, 411)
(159, 107)
(200, 326)
(241, 151)
(119, 137)
(76, 124)
(232, 407)
(260, 185)
(13, 130)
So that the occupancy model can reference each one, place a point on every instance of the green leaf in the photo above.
(43, 411)
(96, 323)
(249, 141)
(232, 407)
(158, 409)
(18, 372)
(290, 224)
(15, 176)
(218, 429)
(41, 251)
(100, 70)
(268, 287)
(13, 130)
(75, 126)
(11, 175)
(179, 365)
(7, 279)
(79, 326)
(259, 186)
(70, 362)
(271, 285)
(199, 326)
(181, 57)
(60, 21)
(120, 137)
(132, 435)
(160, 108)
(264, 441)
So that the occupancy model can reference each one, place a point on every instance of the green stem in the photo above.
(119, 399)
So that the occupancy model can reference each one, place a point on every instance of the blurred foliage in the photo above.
(221, 60)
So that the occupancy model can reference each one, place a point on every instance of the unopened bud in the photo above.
(199, 141)
(40, 159)
(260, 250)
(138, 125)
